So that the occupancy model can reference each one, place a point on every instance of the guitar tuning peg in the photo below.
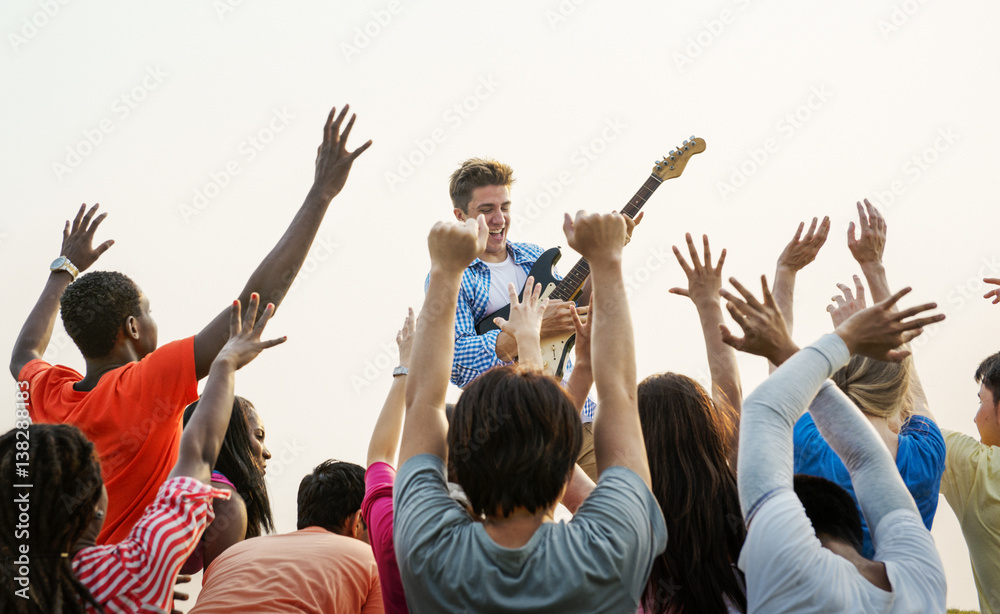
(685, 142)
(692, 138)
(672, 152)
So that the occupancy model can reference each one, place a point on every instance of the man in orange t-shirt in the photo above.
(131, 400)
(325, 566)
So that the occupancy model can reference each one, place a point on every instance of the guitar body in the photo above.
(555, 351)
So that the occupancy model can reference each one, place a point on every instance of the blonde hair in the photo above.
(476, 173)
(877, 387)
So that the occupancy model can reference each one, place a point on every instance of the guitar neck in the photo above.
(570, 286)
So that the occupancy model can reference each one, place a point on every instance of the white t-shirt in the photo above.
(501, 274)
(788, 570)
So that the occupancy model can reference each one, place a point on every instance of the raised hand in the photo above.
(848, 304)
(870, 245)
(78, 238)
(800, 251)
(876, 332)
(630, 225)
(178, 595)
(764, 330)
(525, 322)
(244, 336)
(704, 280)
(995, 292)
(597, 237)
(454, 245)
(333, 161)
(404, 338)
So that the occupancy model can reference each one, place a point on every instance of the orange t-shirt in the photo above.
(133, 416)
(312, 571)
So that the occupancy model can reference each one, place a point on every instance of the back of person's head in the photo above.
(830, 509)
(94, 309)
(66, 487)
(686, 439)
(330, 495)
(879, 388)
(476, 173)
(513, 440)
(988, 374)
(239, 464)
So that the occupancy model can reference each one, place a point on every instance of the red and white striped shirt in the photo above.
(138, 574)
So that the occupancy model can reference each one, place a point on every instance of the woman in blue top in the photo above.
(890, 395)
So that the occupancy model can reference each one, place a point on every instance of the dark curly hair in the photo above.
(330, 494)
(66, 479)
(94, 308)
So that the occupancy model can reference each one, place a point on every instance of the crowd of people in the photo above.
(814, 493)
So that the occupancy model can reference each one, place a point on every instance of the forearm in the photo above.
(204, 433)
(276, 272)
(506, 347)
(579, 487)
(722, 365)
(580, 381)
(530, 354)
(37, 329)
(769, 415)
(617, 430)
(783, 292)
(877, 483)
(385, 437)
(878, 285)
(425, 427)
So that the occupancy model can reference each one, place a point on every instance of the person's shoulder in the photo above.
(37, 371)
(525, 250)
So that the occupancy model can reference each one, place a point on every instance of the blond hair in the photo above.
(877, 387)
(476, 173)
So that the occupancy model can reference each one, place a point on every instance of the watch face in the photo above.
(58, 262)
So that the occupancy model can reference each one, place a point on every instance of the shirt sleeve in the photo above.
(377, 511)
(474, 354)
(958, 479)
(165, 379)
(142, 568)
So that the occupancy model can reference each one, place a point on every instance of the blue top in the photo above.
(920, 461)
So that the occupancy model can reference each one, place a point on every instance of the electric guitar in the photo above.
(556, 350)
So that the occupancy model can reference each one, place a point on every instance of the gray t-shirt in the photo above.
(597, 562)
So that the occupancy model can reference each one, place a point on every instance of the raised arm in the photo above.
(704, 283)
(617, 430)
(385, 437)
(77, 242)
(799, 252)
(770, 413)
(452, 247)
(276, 272)
(995, 292)
(203, 435)
(582, 378)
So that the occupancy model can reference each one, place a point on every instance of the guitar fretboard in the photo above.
(571, 284)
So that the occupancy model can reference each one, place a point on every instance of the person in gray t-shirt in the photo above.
(513, 441)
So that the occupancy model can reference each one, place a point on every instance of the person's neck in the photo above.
(516, 529)
(884, 431)
(97, 367)
(493, 258)
(870, 570)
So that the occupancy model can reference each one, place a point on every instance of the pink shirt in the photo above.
(376, 509)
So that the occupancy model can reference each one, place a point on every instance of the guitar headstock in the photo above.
(672, 164)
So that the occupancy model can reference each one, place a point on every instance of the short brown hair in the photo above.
(476, 173)
(513, 440)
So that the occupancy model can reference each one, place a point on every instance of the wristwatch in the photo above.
(401, 370)
(62, 263)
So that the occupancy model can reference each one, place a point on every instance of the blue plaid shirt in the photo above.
(475, 354)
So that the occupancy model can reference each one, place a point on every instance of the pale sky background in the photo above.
(805, 107)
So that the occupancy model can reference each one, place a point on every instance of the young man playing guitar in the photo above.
(482, 187)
